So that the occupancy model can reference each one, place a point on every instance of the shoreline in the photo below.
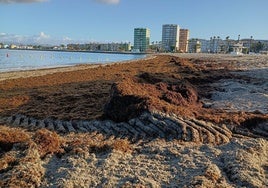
(67, 68)
(31, 63)
(202, 56)
(84, 51)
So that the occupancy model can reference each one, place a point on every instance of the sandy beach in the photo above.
(173, 120)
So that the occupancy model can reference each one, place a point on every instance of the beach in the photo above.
(172, 120)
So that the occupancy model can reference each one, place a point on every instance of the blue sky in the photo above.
(115, 20)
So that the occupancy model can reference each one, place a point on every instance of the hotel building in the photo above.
(141, 39)
(183, 42)
(170, 37)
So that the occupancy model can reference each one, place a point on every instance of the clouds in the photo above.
(42, 38)
(43, 35)
(20, 1)
(108, 1)
(18, 39)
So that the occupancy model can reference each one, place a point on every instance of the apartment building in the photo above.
(141, 39)
(183, 40)
(170, 37)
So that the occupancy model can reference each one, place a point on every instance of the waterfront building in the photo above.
(125, 46)
(205, 45)
(12, 46)
(141, 39)
(170, 37)
(194, 46)
(114, 47)
(156, 46)
(183, 40)
(217, 45)
(265, 44)
(237, 49)
(248, 43)
(254, 45)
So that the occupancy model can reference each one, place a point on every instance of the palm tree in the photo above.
(218, 44)
(210, 45)
(214, 39)
(251, 37)
(227, 40)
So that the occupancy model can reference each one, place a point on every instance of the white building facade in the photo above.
(170, 37)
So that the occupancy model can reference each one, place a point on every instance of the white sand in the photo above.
(242, 162)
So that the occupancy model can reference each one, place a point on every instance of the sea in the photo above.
(17, 60)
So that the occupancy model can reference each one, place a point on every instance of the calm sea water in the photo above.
(15, 60)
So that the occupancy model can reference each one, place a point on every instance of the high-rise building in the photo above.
(170, 37)
(141, 39)
(183, 42)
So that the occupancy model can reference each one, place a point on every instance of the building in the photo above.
(183, 40)
(170, 37)
(122, 47)
(125, 46)
(12, 46)
(256, 45)
(237, 49)
(205, 45)
(194, 46)
(196, 43)
(264, 43)
(141, 39)
(156, 46)
(247, 42)
(217, 45)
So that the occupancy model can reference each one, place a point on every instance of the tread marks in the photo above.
(220, 135)
(120, 131)
(77, 125)
(33, 123)
(147, 127)
(68, 125)
(42, 124)
(59, 127)
(88, 125)
(131, 132)
(162, 128)
(102, 128)
(140, 132)
(17, 121)
(50, 126)
(176, 126)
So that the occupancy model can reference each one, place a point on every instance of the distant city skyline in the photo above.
(83, 21)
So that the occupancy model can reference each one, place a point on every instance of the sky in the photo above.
(83, 21)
